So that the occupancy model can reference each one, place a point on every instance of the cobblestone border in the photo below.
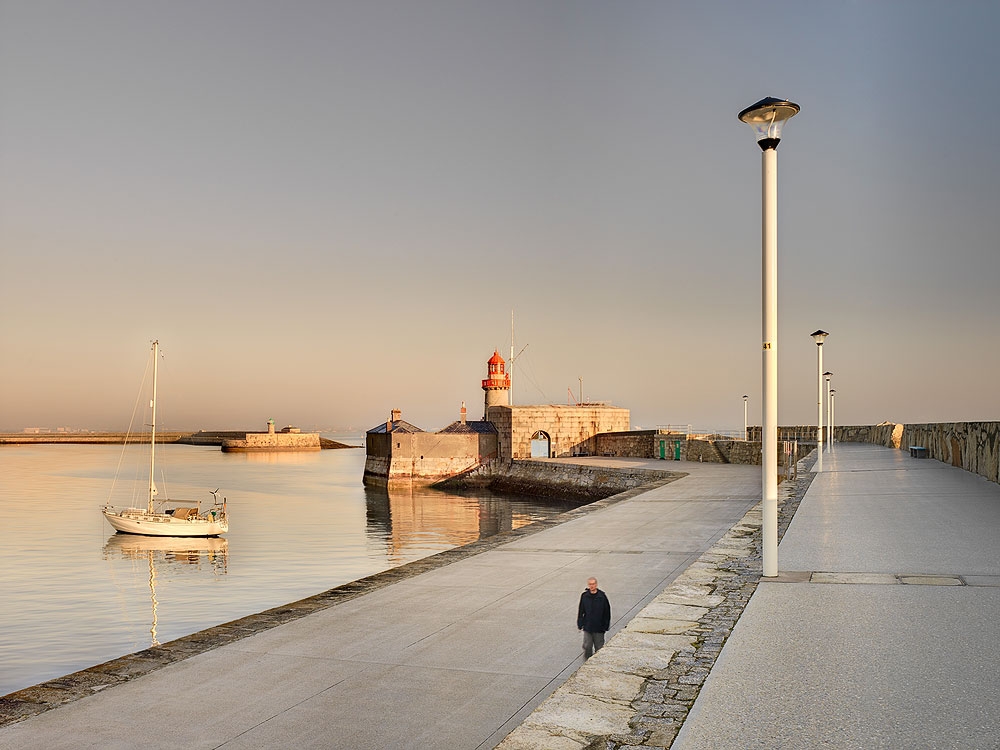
(637, 691)
(37, 699)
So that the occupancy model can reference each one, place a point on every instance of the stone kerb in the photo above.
(611, 696)
(636, 691)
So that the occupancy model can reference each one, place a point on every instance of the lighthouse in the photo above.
(496, 384)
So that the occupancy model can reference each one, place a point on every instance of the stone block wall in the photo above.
(973, 446)
(632, 444)
(271, 441)
(562, 480)
(888, 434)
(569, 428)
(424, 457)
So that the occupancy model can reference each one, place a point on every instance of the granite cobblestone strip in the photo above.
(37, 699)
(637, 691)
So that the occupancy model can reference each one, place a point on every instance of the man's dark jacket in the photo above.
(595, 612)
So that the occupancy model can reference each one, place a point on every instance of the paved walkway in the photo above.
(885, 631)
(881, 630)
(455, 657)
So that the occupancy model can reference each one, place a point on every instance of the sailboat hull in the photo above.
(138, 521)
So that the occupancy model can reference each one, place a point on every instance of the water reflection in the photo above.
(211, 553)
(69, 570)
(275, 457)
(408, 516)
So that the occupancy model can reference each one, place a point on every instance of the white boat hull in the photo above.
(138, 521)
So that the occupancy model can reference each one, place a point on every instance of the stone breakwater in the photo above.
(553, 478)
(118, 438)
(637, 691)
(973, 446)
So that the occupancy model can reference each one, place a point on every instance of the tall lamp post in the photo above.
(833, 392)
(745, 398)
(818, 337)
(767, 118)
(829, 419)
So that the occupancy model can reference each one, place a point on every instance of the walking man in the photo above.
(593, 618)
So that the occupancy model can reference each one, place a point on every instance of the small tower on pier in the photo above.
(496, 384)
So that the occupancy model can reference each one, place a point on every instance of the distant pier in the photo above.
(201, 437)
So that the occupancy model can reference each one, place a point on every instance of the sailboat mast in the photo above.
(510, 369)
(152, 431)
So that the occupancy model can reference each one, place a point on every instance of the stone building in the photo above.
(400, 451)
(287, 439)
(553, 430)
(397, 451)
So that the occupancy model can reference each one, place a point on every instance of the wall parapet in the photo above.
(973, 446)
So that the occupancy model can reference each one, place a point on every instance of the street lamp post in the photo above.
(767, 118)
(833, 392)
(829, 419)
(818, 337)
(745, 397)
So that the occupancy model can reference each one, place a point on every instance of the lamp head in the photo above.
(745, 398)
(819, 336)
(767, 117)
(827, 375)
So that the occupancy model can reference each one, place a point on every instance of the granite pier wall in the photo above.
(554, 478)
(973, 446)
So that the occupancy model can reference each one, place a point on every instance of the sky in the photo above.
(326, 210)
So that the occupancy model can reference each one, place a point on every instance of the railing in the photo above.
(691, 432)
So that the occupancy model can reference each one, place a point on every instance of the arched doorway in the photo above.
(541, 445)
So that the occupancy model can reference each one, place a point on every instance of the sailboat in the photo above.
(167, 517)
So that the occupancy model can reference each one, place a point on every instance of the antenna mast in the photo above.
(510, 371)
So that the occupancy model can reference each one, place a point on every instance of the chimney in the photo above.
(462, 413)
(396, 415)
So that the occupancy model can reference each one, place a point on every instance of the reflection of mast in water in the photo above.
(169, 550)
(152, 597)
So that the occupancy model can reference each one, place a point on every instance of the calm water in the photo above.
(76, 594)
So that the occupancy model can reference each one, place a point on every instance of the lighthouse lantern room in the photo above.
(497, 383)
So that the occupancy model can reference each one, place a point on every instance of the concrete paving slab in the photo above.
(901, 652)
(447, 712)
(892, 519)
(851, 667)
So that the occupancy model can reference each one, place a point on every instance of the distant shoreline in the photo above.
(200, 437)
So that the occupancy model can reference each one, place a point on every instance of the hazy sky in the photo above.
(324, 210)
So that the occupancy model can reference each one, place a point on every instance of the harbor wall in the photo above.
(94, 438)
(554, 478)
(271, 442)
(973, 446)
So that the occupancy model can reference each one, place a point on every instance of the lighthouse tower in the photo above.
(496, 384)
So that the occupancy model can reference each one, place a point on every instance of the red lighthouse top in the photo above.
(497, 377)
